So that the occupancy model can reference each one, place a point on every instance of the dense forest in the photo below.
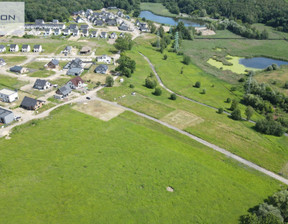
(62, 9)
(270, 12)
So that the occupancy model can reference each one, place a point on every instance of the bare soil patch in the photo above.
(103, 111)
(182, 119)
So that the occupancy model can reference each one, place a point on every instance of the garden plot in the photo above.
(182, 119)
(99, 110)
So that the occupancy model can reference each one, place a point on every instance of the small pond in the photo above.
(260, 62)
(168, 20)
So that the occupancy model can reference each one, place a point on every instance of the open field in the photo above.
(238, 137)
(156, 8)
(201, 50)
(9, 82)
(13, 60)
(38, 70)
(84, 170)
(103, 111)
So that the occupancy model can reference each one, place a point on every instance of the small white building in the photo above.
(14, 48)
(37, 48)
(7, 95)
(2, 48)
(104, 59)
(2, 62)
(26, 48)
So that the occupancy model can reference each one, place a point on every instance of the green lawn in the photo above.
(238, 137)
(83, 170)
(38, 69)
(14, 60)
(156, 8)
(11, 83)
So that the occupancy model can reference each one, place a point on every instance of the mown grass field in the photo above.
(38, 69)
(14, 60)
(74, 168)
(156, 8)
(238, 137)
(9, 82)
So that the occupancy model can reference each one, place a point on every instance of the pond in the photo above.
(168, 20)
(260, 62)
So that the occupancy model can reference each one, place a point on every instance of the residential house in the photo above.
(103, 35)
(18, 69)
(104, 59)
(39, 22)
(67, 50)
(75, 32)
(98, 23)
(6, 116)
(2, 62)
(55, 21)
(37, 48)
(57, 32)
(120, 14)
(53, 64)
(47, 32)
(137, 23)
(76, 63)
(14, 48)
(123, 27)
(26, 48)
(102, 69)
(66, 32)
(79, 20)
(111, 22)
(73, 27)
(75, 71)
(119, 21)
(84, 27)
(76, 83)
(94, 33)
(31, 104)
(64, 91)
(8, 96)
(144, 27)
(85, 32)
(2, 48)
(113, 35)
(41, 84)
(85, 50)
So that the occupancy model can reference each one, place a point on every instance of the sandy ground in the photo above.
(101, 110)
(182, 119)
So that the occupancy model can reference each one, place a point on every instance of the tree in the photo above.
(186, 59)
(165, 58)
(124, 43)
(228, 100)
(249, 112)
(220, 110)
(173, 96)
(126, 72)
(126, 65)
(236, 114)
(109, 81)
(157, 91)
(286, 85)
(150, 83)
(197, 84)
(234, 104)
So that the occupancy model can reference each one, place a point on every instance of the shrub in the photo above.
(274, 66)
(186, 60)
(234, 104)
(286, 85)
(109, 81)
(197, 84)
(233, 88)
(228, 100)
(269, 127)
(220, 110)
(150, 83)
(236, 114)
(173, 96)
(203, 91)
(165, 57)
(241, 80)
(157, 91)
(131, 86)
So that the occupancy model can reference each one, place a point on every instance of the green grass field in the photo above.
(238, 137)
(83, 170)
(14, 60)
(39, 70)
(11, 83)
(156, 8)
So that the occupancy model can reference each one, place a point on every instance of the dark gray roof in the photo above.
(39, 84)
(75, 71)
(55, 62)
(76, 63)
(101, 68)
(111, 22)
(4, 112)
(13, 45)
(2, 60)
(28, 102)
(37, 46)
(68, 48)
(16, 68)
(39, 21)
(73, 26)
(25, 46)
(64, 90)
(2, 46)
(84, 27)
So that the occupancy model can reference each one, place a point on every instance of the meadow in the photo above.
(156, 8)
(73, 168)
(238, 137)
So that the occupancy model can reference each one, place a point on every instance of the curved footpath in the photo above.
(208, 144)
(184, 97)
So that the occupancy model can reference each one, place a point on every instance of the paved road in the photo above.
(208, 144)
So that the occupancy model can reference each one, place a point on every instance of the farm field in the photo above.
(238, 137)
(84, 170)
